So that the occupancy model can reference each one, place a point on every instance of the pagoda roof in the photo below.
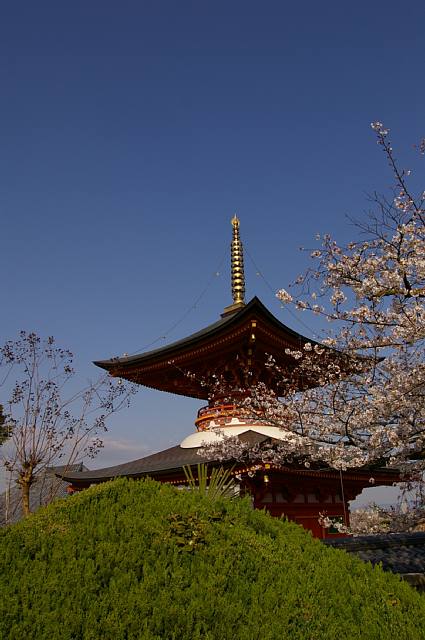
(211, 331)
(169, 463)
(249, 335)
(168, 460)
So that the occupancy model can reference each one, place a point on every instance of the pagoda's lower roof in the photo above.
(170, 462)
(172, 459)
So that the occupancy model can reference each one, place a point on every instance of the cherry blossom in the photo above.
(358, 398)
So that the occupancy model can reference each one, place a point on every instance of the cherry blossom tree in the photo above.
(369, 405)
(363, 387)
(407, 515)
(376, 519)
(49, 424)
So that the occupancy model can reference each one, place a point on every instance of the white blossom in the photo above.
(284, 296)
(362, 399)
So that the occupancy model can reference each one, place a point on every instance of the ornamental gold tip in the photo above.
(238, 275)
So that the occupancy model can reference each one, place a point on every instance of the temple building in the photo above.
(235, 350)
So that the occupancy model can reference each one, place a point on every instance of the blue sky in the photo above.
(130, 134)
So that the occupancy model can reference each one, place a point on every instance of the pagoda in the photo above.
(235, 350)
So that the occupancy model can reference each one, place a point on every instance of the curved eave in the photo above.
(166, 461)
(382, 476)
(170, 462)
(254, 306)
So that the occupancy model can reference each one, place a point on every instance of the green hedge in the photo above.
(141, 560)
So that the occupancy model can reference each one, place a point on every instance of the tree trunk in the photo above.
(25, 488)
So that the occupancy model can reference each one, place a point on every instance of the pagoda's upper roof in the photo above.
(237, 343)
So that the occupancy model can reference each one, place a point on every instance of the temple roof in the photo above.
(242, 340)
(402, 553)
(171, 461)
(211, 331)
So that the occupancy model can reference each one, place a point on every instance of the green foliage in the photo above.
(140, 560)
(188, 531)
(220, 483)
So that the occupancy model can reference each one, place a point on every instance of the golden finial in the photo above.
(238, 275)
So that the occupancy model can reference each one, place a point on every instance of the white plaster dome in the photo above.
(217, 432)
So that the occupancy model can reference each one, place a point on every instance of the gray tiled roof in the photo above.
(402, 553)
(173, 459)
(168, 460)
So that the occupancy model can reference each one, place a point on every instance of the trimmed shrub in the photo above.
(141, 560)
